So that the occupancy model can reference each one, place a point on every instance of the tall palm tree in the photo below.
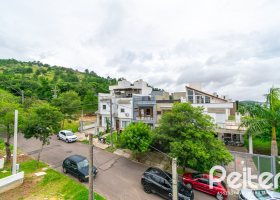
(259, 117)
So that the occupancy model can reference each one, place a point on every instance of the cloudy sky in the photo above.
(232, 47)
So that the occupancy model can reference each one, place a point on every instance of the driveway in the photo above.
(118, 177)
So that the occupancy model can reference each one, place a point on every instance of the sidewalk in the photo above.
(96, 143)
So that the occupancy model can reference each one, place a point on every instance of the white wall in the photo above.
(11, 182)
(2, 163)
(127, 114)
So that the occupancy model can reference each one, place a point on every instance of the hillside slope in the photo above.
(38, 80)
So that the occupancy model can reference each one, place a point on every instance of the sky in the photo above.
(231, 47)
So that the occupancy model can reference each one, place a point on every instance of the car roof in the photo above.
(76, 158)
(65, 131)
(159, 172)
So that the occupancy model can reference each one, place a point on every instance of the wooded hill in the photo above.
(42, 81)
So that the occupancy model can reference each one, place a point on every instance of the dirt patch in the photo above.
(23, 191)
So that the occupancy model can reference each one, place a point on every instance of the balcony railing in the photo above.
(147, 118)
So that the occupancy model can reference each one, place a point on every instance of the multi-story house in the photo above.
(135, 102)
(121, 101)
(220, 108)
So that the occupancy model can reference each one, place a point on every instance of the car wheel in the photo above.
(219, 196)
(81, 180)
(147, 188)
(64, 170)
(67, 140)
(189, 186)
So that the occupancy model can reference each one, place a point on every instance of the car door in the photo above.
(61, 135)
(166, 189)
(73, 169)
(203, 185)
(157, 184)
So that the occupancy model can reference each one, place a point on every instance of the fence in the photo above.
(256, 162)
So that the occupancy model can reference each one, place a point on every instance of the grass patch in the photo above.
(111, 149)
(261, 146)
(71, 125)
(55, 184)
(85, 141)
(28, 167)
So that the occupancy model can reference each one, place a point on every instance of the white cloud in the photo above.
(233, 47)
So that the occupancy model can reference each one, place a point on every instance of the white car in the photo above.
(67, 136)
(248, 194)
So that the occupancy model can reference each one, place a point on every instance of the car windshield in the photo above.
(261, 194)
(82, 164)
(69, 133)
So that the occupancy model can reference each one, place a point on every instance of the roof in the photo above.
(211, 95)
(76, 158)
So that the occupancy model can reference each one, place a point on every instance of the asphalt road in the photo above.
(118, 177)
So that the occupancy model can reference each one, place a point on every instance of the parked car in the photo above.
(199, 181)
(157, 181)
(67, 136)
(248, 194)
(78, 166)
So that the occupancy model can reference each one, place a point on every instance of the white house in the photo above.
(122, 106)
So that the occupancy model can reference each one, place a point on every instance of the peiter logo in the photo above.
(236, 180)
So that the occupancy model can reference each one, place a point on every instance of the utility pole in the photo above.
(111, 124)
(174, 179)
(91, 194)
(22, 96)
(14, 170)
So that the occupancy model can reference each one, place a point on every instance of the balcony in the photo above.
(146, 118)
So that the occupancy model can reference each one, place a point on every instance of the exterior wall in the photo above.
(11, 182)
(178, 95)
(161, 108)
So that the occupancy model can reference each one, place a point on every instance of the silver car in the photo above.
(248, 194)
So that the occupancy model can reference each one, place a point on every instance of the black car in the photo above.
(78, 166)
(157, 181)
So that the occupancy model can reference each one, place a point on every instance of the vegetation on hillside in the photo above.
(42, 81)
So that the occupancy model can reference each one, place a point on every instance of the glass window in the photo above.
(190, 92)
(159, 112)
(104, 107)
(125, 124)
(207, 99)
(82, 164)
(122, 110)
(204, 181)
(190, 99)
(69, 133)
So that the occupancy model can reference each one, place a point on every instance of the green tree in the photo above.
(8, 105)
(90, 103)
(189, 135)
(42, 121)
(68, 103)
(136, 137)
(262, 117)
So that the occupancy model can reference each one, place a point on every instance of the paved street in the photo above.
(118, 178)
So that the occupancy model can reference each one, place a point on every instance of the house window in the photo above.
(190, 99)
(122, 110)
(125, 124)
(207, 99)
(104, 107)
(158, 112)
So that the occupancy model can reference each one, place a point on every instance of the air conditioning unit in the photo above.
(127, 114)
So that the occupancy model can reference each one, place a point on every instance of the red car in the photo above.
(199, 181)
